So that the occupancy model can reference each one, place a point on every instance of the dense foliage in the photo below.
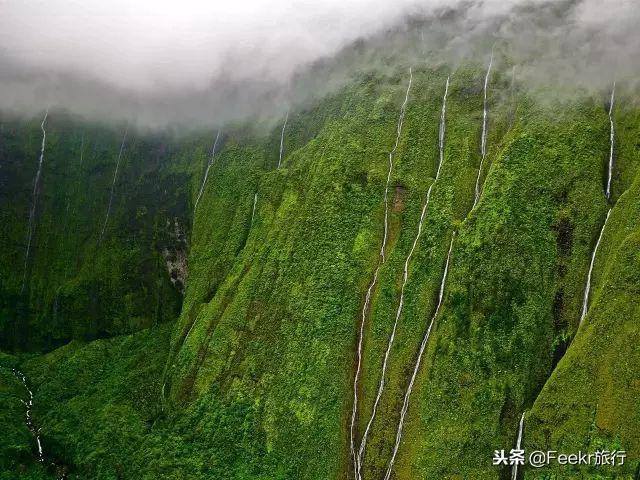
(76, 282)
(252, 378)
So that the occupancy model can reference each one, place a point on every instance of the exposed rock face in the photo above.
(175, 256)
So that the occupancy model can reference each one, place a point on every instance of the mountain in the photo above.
(222, 341)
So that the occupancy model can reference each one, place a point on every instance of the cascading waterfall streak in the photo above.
(611, 140)
(82, 150)
(206, 173)
(514, 471)
(381, 259)
(253, 210)
(29, 405)
(587, 289)
(32, 212)
(441, 135)
(113, 184)
(483, 140)
(416, 368)
(284, 126)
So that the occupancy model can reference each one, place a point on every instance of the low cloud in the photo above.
(208, 62)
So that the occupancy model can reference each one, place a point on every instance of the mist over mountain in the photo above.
(319, 240)
(200, 64)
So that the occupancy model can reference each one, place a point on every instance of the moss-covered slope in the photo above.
(254, 379)
(76, 282)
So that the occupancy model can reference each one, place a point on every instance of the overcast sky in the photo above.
(108, 57)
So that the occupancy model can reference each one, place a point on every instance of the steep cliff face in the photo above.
(87, 276)
(255, 377)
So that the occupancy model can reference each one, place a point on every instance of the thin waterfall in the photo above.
(34, 201)
(416, 368)
(405, 277)
(483, 140)
(253, 210)
(82, 150)
(367, 302)
(113, 184)
(441, 132)
(587, 288)
(284, 126)
(611, 139)
(512, 94)
(206, 173)
(29, 407)
(514, 472)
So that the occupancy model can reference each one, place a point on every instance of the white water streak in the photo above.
(365, 308)
(611, 139)
(32, 212)
(405, 277)
(284, 126)
(483, 140)
(443, 118)
(82, 149)
(514, 472)
(113, 184)
(587, 289)
(190, 328)
(206, 173)
(416, 368)
(29, 405)
(253, 210)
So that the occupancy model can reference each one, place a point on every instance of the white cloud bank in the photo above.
(197, 61)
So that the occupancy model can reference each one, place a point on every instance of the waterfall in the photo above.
(253, 210)
(113, 184)
(189, 331)
(284, 126)
(483, 140)
(514, 472)
(441, 132)
(82, 150)
(423, 345)
(405, 277)
(206, 173)
(512, 94)
(367, 302)
(587, 288)
(611, 139)
(34, 201)
(29, 406)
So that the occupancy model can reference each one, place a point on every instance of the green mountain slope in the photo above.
(78, 285)
(249, 373)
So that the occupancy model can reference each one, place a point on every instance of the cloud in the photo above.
(207, 62)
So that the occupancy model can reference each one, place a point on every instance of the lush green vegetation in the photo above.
(253, 379)
(591, 400)
(77, 286)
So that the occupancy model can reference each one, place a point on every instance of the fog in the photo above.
(205, 63)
